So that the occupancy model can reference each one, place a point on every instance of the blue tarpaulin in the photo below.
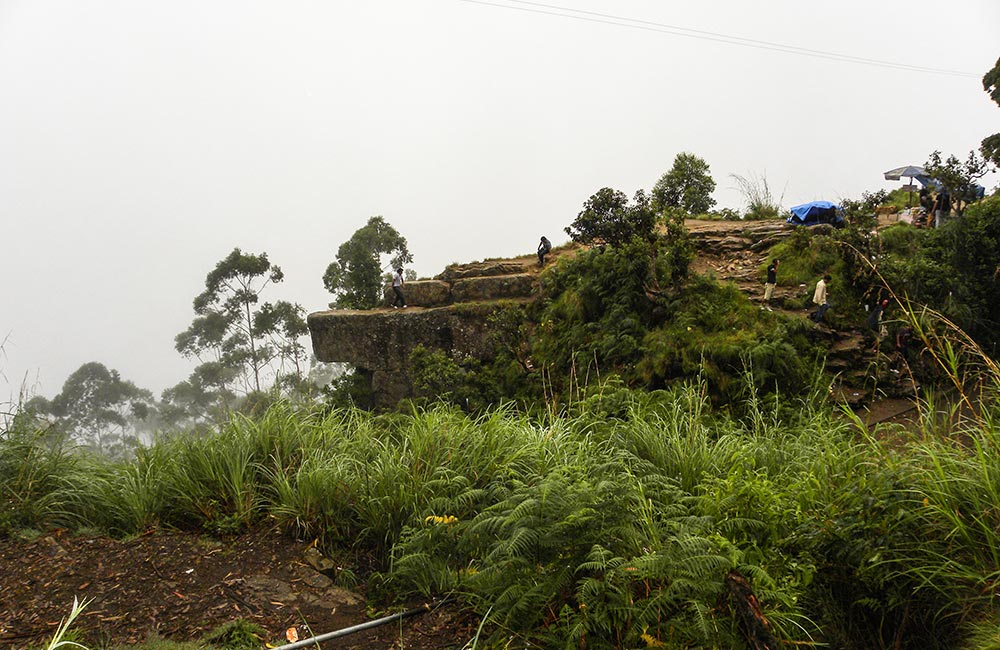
(810, 214)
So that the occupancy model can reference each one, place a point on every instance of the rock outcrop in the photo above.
(449, 312)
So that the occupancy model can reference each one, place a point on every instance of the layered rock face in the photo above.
(449, 312)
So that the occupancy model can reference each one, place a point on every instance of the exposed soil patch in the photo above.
(180, 586)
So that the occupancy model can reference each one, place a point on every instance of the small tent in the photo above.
(810, 214)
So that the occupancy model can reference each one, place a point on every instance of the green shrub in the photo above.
(237, 635)
(805, 257)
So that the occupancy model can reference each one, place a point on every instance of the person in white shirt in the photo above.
(820, 298)
(397, 288)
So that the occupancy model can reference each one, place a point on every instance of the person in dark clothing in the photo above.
(876, 330)
(905, 343)
(875, 317)
(397, 288)
(772, 280)
(942, 207)
(544, 246)
(927, 205)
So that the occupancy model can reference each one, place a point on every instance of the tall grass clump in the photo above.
(35, 470)
(213, 484)
(955, 499)
(760, 201)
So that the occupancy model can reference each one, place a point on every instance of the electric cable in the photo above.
(664, 28)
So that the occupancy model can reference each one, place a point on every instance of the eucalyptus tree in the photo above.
(97, 408)
(201, 399)
(355, 277)
(284, 324)
(234, 331)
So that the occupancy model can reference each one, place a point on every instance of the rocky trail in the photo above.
(735, 252)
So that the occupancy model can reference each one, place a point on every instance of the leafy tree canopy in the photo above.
(688, 185)
(608, 218)
(990, 147)
(355, 277)
(991, 83)
(284, 325)
(96, 406)
(959, 177)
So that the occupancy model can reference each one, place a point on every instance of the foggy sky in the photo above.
(140, 142)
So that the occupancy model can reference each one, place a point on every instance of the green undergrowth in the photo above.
(617, 523)
(618, 312)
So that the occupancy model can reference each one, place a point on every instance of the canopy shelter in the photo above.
(914, 173)
(816, 212)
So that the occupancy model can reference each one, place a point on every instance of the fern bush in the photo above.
(612, 525)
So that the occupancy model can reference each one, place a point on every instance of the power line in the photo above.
(663, 28)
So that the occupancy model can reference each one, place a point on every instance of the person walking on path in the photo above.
(874, 323)
(821, 298)
(772, 279)
(875, 317)
(942, 207)
(397, 288)
(544, 246)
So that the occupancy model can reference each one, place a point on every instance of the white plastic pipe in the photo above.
(354, 628)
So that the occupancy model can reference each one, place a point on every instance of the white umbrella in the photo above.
(913, 172)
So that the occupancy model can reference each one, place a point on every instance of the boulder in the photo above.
(422, 293)
(499, 287)
(380, 342)
(485, 269)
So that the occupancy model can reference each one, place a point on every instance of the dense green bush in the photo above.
(952, 269)
(599, 318)
(806, 255)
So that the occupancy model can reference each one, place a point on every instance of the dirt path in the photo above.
(180, 586)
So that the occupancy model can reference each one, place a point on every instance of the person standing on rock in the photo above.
(821, 298)
(772, 280)
(397, 288)
(544, 246)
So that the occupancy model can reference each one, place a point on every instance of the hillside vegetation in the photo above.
(625, 522)
(650, 460)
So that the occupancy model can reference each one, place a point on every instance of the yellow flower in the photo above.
(650, 641)
(434, 519)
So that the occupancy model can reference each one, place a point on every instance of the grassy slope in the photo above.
(617, 523)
